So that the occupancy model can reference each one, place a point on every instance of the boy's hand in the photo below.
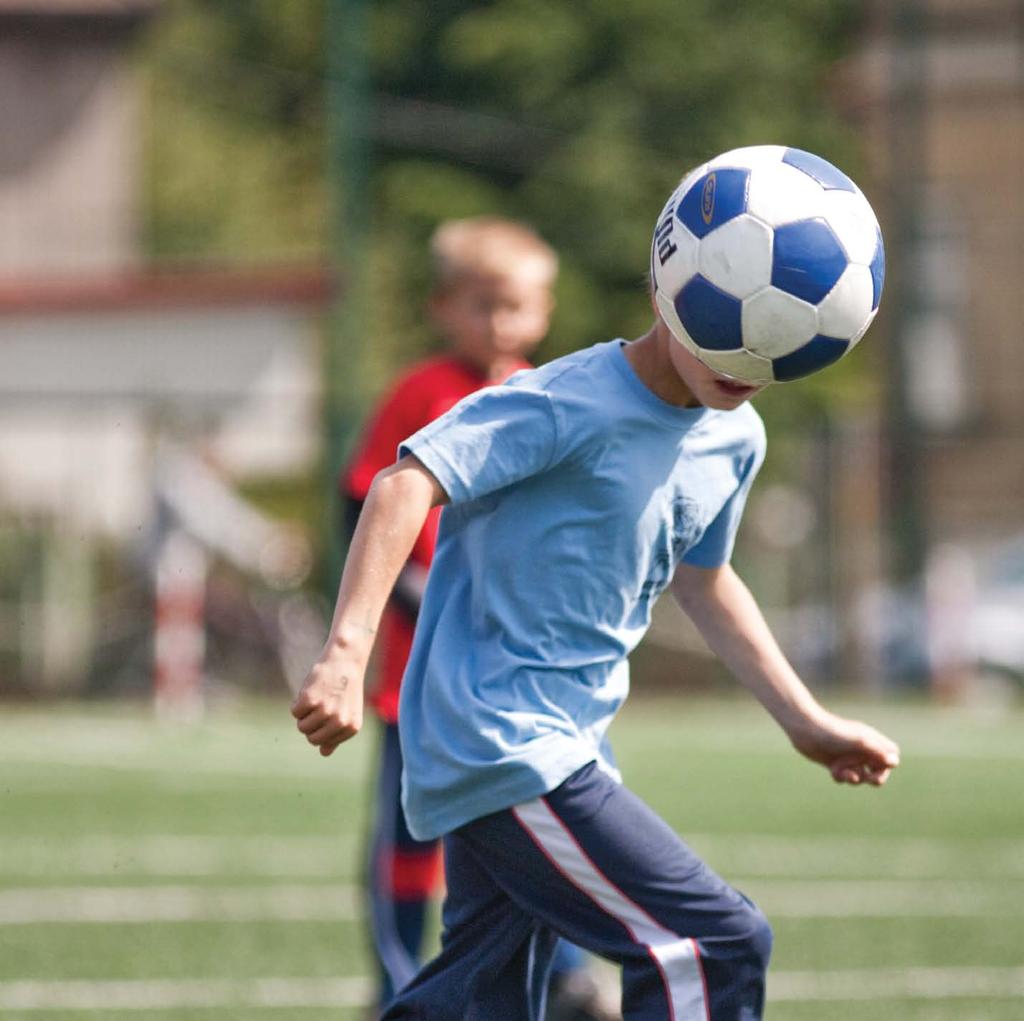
(852, 752)
(329, 707)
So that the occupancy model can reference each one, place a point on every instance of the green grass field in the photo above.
(210, 871)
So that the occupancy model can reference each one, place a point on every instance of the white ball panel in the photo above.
(864, 329)
(750, 156)
(776, 323)
(853, 220)
(779, 193)
(842, 312)
(743, 365)
(737, 257)
(681, 262)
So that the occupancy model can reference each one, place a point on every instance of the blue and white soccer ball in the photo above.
(767, 263)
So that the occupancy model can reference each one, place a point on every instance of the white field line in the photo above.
(211, 994)
(221, 746)
(123, 905)
(194, 994)
(883, 898)
(760, 854)
(179, 855)
(171, 750)
(337, 902)
(748, 854)
(178, 770)
(897, 984)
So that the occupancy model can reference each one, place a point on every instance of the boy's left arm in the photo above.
(727, 616)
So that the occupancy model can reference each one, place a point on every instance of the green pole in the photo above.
(348, 156)
(907, 502)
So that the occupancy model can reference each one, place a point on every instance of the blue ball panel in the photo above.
(713, 200)
(877, 273)
(807, 260)
(710, 316)
(818, 352)
(821, 170)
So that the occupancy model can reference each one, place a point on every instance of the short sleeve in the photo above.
(716, 544)
(489, 440)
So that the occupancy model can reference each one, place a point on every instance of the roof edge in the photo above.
(312, 286)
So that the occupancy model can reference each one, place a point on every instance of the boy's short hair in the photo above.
(483, 245)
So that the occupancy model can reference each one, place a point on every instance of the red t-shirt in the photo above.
(423, 393)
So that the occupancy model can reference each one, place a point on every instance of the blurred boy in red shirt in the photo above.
(492, 301)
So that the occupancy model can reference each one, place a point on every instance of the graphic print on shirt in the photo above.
(687, 526)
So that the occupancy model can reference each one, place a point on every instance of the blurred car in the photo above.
(997, 615)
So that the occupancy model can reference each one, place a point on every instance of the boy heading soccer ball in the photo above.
(574, 495)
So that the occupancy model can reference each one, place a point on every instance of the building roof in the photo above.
(78, 8)
(37, 17)
(149, 290)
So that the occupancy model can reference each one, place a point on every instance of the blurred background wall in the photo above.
(107, 356)
(213, 219)
(941, 96)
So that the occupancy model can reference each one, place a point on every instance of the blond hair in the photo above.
(486, 245)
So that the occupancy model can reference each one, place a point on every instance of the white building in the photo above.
(100, 354)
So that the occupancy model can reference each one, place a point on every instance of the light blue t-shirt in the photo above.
(574, 493)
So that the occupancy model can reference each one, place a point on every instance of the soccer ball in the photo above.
(767, 263)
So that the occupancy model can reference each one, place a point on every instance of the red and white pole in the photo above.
(179, 642)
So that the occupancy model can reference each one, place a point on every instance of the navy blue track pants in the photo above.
(403, 876)
(592, 863)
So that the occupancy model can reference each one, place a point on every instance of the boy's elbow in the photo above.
(408, 480)
(695, 586)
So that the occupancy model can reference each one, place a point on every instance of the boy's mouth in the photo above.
(731, 388)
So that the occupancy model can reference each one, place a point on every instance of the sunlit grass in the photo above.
(104, 797)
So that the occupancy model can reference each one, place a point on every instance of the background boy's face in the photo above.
(490, 317)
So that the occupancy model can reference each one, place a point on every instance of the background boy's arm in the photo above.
(726, 614)
(329, 708)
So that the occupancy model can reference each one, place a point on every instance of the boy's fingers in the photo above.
(849, 769)
(312, 721)
(877, 763)
(886, 752)
(873, 773)
(330, 733)
(857, 770)
(843, 772)
(877, 755)
(303, 704)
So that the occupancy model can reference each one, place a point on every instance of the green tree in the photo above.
(235, 132)
(579, 118)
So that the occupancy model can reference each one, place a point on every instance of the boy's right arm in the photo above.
(329, 707)
(732, 624)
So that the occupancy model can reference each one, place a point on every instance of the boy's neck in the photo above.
(650, 360)
(496, 371)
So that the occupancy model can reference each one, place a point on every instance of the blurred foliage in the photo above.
(579, 118)
(235, 125)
